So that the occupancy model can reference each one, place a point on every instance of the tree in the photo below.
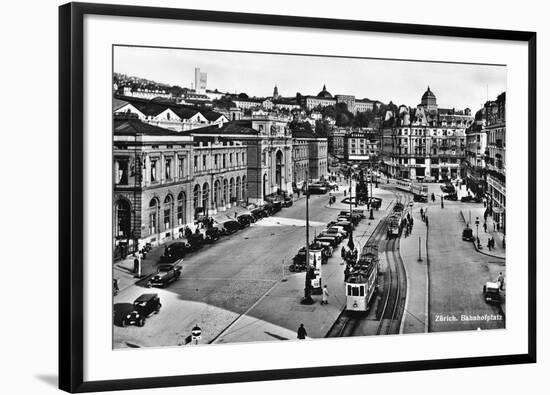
(322, 128)
(243, 96)
(224, 102)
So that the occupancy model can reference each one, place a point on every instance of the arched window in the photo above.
(232, 196)
(238, 188)
(168, 212)
(243, 186)
(216, 193)
(224, 195)
(181, 208)
(205, 196)
(123, 219)
(196, 197)
(153, 217)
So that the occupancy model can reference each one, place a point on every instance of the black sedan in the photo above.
(213, 234)
(230, 227)
(166, 274)
(245, 220)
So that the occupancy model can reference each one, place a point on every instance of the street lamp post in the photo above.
(477, 230)
(307, 299)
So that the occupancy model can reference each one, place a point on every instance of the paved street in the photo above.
(221, 281)
(457, 272)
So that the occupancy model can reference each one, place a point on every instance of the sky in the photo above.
(455, 85)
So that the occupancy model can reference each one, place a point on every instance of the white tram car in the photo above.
(415, 188)
(362, 282)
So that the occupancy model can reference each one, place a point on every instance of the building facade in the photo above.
(361, 145)
(476, 150)
(219, 174)
(309, 157)
(336, 142)
(152, 184)
(427, 143)
(496, 159)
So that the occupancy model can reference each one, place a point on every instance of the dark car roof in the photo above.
(177, 244)
(231, 221)
(145, 297)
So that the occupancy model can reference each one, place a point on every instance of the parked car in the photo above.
(470, 199)
(213, 234)
(467, 234)
(166, 274)
(348, 226)
(272, 208)
(333, 240)
(338, 236)
(173, 252)
(230, 227)
(448, 188)
(195, 241)
(420, 198)
(143, 306)
(258, 213)
(451, 196)
(327, 247)
(245, 220)
(287, 202)
(317, 189)
(491, 293)
(337, 230)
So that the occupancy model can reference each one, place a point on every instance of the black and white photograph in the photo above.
(265, 197)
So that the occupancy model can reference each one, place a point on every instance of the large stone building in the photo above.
(427, 143)
(269, 153)
(152, 183)
(325, 99)
(496, 158)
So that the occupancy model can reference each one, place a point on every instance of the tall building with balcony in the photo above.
(336, 142)
(496, 158)
(476, 146)
(426, 143)
(309, 157)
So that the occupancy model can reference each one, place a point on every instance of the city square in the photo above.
(266, 218)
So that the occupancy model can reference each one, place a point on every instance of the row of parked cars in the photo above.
(321, 187)
(335, 232)
(195, 241)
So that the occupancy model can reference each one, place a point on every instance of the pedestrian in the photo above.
(489, 244)
(426, 219)
(302, 332)
(345, 192)
(421, 213)
(136, 264)
(433, 197)
(500, 281)
(485, 226)
(325, 295)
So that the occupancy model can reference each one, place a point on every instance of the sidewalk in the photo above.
(498, 251)
(416, 315)
(278, 314)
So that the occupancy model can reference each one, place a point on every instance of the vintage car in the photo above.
(420, 198)
(448, 188)
(337, 230)
(259, 213)
(470, 198)
(332, 240)
(339, 237)
(212, 234)
(195, 241)
(245, 220)
(327, 247)
(451, 196)
(348, 226)
(467, 234)
(230, 227)
(287, 202)
(375, 202)
(143, 306)
(491, 292)
(173, 252)
(166, 274)
(272, 208)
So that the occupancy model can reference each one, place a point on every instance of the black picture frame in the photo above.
(71, 195)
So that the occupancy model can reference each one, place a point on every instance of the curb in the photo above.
(475, 246)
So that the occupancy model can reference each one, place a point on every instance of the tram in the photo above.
(394, 220)
(362, 280)
(420, 191)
